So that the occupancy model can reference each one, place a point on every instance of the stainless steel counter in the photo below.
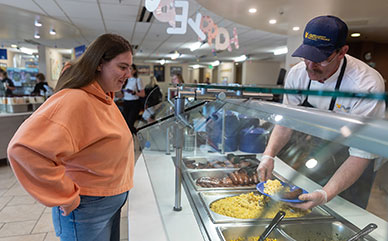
(196, 219)
(9, 123)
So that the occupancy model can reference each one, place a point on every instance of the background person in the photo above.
(41, 87)
(326, 66)
(76, 153)
(153, 97)
(132, 90)
(175, 80)
(7, 83)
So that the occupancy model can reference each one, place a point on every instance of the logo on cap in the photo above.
(315, 37)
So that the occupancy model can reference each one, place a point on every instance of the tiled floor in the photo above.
(24, 219)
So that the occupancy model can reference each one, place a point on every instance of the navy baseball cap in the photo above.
(322, 36)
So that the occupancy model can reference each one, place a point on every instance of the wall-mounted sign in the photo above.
(159, 73)
(143, 69)
(175, 70)
(203, 26)
(78, 51)
(3, 53)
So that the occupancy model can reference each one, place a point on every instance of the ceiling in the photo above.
(79, 22)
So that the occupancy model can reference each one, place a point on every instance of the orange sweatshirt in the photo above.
(76, 143)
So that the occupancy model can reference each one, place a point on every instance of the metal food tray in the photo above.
(321, 230)
(235, 231)
(209, 197)
(291, 231)
(194, 175)
(204, 159)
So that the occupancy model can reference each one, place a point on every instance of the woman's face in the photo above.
(114, 73)
(175, 79)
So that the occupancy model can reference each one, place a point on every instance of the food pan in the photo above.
(211, 196)
(320, 230)
(199, 163)
(234, 232)
(194, 175)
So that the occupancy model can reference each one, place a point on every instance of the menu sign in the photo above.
(203, 26)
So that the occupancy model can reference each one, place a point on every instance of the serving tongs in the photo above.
(275, 221)
(362, 233)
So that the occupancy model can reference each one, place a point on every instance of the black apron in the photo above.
(302, 147)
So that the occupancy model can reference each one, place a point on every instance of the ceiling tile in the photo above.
(123, 2)
(23, 4)
(119, 12)
(86, 10)
(87, 23)
(51, 9)
(121, 26)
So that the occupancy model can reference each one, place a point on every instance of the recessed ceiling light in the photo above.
(37, 35)
(38, 23)
(14, 46)
(53, 32)
(355, 35)
(272, 21)
(252, 10)
(296, 28)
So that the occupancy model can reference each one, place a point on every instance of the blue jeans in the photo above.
(96, 218)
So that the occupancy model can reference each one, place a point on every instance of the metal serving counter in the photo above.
(9, 123)
(197, 222)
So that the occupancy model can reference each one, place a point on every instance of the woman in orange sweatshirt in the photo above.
(75, 153)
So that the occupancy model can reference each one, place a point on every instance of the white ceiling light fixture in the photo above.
(27, 50)
(216, 63)
(162, 61)
(195, 46)
(355, 35)
(37, 35)
(280, 51)
(272, 21)
(53, 32)
(14, 46)
(241, 58)
(175, 55)
(38, 23)
(252, 10)
(196, 66)
(296, 28)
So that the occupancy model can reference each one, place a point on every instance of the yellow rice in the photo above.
(271, 187)
(249, 205)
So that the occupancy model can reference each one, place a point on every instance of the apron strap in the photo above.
(338, 84)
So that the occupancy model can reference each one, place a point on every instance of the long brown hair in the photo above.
(84, 71)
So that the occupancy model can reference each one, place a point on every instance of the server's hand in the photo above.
(265, 167)
(313, 199)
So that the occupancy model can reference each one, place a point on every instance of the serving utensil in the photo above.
(275, 221)
(362, 233)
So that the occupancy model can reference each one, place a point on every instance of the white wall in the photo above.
(293, 42)
(9, 60)
(53, 66)
(225, 70)
(260, 72)
(208, 73)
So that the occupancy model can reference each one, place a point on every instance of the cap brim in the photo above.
(312, 53)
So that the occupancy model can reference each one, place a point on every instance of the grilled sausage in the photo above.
(233, 176)
(292, 195)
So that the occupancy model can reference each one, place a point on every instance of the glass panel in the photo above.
(224, 141)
